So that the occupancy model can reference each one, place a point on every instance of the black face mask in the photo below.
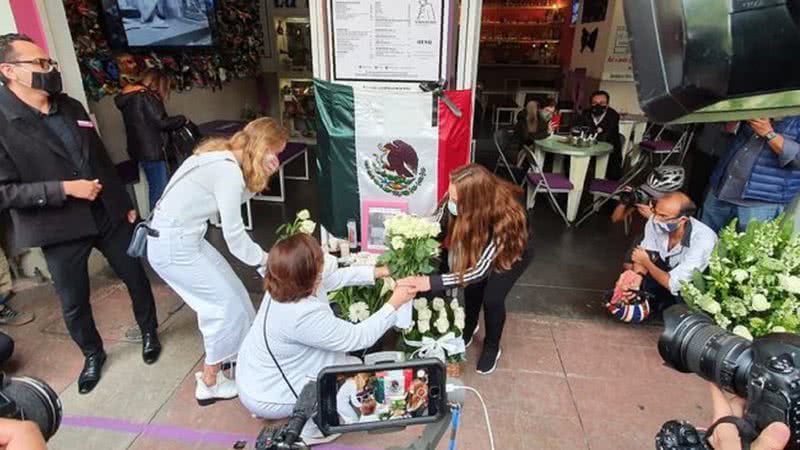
(598, 110)
(49, 82)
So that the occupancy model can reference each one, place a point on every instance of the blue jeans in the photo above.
(156, 173)
(717, 213)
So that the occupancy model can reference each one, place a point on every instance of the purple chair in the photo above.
(550, 183)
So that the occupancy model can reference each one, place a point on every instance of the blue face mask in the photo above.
(452, 207)
(668, 228)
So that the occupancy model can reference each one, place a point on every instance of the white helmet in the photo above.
(667, 179)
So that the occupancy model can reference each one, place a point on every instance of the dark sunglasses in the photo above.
(45, 64)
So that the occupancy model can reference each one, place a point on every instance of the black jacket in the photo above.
(33, 164)
(146, 121)
(607, 129)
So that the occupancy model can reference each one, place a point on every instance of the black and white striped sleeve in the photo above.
(474, 274)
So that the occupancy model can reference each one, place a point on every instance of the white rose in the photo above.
(364, 314)
(304, 214)
(398, 243)
(459, 314)
(442, 324)
(790, 283)
(741, 330)
(438, 304)
(307, 226)
(778, 329)
(425, 314)
(740, 275)
(454, 305)
(760, 303)
(459, 323)
(420, 304)
(356, 312)
(423, 326)
(712, 307)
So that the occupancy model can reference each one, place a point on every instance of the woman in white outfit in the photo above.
(301, 330)
(216, 180)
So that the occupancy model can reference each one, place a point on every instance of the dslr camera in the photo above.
(635, 197)
(28, 398)
(766, 372)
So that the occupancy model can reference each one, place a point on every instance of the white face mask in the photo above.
(452, 207)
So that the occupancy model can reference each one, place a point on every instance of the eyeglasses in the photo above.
(45, 64)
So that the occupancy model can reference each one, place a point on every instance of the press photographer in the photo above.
(765, 372)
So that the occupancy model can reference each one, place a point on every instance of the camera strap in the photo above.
(747, 432)
(275, 360)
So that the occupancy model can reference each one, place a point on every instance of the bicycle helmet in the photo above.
(663, 180)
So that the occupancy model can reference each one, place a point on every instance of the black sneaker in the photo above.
(488, 360)
(10, 316)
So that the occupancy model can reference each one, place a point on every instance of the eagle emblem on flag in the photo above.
(395, 168)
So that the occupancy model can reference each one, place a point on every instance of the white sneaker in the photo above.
(224, 389)
(471, 338)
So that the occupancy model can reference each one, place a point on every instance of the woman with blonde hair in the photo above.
(487, 246)
(216, 180)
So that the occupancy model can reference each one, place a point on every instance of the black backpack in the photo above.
(181, 143)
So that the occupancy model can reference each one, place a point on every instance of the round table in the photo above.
(578, 166)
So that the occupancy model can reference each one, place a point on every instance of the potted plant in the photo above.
(752, 286)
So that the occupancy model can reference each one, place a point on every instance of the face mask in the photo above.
(668, 228)
(49, 82)
(598, 110)
(452, 207)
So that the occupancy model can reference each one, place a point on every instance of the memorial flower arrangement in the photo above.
(302, 223)
(436, 330)
(357, 303)
(412, 245)
(752, 286)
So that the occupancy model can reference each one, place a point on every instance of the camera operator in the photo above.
(726, 435)
(674, 245)
(20, 435)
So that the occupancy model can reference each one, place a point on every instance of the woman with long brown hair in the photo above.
(487, 247)
(221, 175)
(146, 121)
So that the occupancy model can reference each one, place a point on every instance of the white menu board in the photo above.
(388, 40)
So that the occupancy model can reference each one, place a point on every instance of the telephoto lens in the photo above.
(28, 398)
(693, 343)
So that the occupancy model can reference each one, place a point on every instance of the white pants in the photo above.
(197, 272)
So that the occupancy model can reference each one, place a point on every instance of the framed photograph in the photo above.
(373, 216)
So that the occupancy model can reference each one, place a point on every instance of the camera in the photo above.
(766, 372)
(28, 398)
(635, 197)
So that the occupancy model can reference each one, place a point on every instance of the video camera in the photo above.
(383, 397)
(766, 372)
(28, 398)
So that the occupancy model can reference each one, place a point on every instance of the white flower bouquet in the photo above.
(437, 329)
(302, 223)
(752, 286)
(412, 245)
(357, 303)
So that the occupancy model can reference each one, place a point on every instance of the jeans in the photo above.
(157, 177)
(717, 214)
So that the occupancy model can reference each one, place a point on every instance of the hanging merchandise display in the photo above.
(236, 53)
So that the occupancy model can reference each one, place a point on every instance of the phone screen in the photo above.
(382, 396)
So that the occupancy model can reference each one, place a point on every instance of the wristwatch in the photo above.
(771, 135)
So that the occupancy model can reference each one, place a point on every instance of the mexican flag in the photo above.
(386, 147)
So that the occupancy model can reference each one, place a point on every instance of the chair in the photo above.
(664, 150)
(551, 183)
(604, 190)
(502, 141)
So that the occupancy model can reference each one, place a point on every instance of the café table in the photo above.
(578, 166)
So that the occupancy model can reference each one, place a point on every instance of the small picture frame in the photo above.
(373, 215)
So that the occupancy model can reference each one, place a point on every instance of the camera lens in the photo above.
(36, 401)
(692, 343)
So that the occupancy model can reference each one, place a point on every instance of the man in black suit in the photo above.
(603, 120)
(65, 197)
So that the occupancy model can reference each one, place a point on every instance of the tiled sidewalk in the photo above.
(561, 384)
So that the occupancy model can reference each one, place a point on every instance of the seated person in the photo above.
(535, 121)
(295, 334)
(674, 245)
(604, 120)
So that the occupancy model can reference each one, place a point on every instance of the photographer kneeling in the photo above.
(674, 245)
(295, 333)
